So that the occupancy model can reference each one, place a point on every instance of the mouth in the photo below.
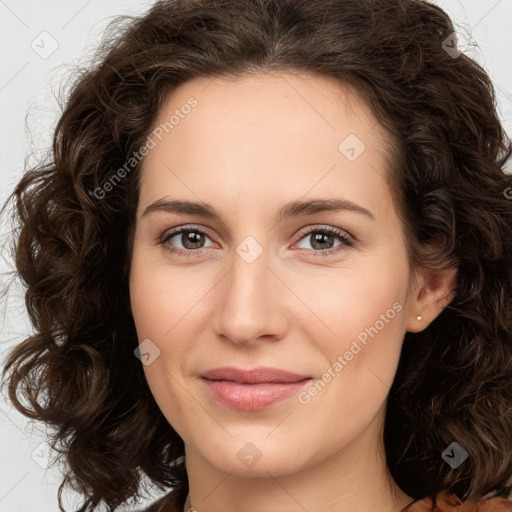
(252, 390)
(260, 375)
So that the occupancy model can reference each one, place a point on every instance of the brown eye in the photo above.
(192, 241)
(322, 240)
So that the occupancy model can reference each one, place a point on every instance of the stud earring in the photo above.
(419, 318)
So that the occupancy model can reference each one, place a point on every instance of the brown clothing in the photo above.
(445, 502)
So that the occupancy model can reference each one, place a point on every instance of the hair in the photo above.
(77, 372)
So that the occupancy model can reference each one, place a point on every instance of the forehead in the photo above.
(283, 131)
(271, 101)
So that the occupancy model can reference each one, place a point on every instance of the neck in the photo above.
(355, 478)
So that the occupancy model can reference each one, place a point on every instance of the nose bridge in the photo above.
(247, 306)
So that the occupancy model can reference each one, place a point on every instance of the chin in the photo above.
(256, 458)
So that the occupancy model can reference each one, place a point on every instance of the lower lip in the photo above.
(252, 397)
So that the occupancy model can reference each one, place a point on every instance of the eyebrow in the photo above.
(293, 209)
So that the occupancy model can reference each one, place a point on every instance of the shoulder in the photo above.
(167, 503)
(446, 502)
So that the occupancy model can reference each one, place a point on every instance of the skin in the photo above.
(251, 145)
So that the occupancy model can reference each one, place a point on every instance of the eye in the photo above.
(193, 238)
(322, 240)
(190, 237)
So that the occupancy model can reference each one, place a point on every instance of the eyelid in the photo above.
(304, 231)
(326, 228)
(347, 238)
(169, 233)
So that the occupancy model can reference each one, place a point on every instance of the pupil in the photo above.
(192, 237)
(321, 237)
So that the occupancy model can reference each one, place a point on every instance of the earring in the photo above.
(419, 318)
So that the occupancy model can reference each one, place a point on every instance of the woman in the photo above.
(189, 324)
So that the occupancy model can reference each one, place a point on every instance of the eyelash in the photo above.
(346, 241)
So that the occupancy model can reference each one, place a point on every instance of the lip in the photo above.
(262, 374)
(254, 389)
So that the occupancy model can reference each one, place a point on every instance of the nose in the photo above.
(250, 305)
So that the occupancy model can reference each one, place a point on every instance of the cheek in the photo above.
(160, 295)
(363, 303)
(340, 303)
(157, 309)
(366, 313)
(167, 304)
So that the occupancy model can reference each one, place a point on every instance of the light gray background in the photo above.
(28, 80)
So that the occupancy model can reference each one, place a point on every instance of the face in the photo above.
(317, 291)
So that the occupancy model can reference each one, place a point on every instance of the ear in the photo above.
(434, 290)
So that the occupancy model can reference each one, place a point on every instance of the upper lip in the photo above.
(252, 376)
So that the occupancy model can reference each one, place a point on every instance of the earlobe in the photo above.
(436, 289)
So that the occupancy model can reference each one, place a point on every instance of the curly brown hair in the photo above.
(73, 235)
